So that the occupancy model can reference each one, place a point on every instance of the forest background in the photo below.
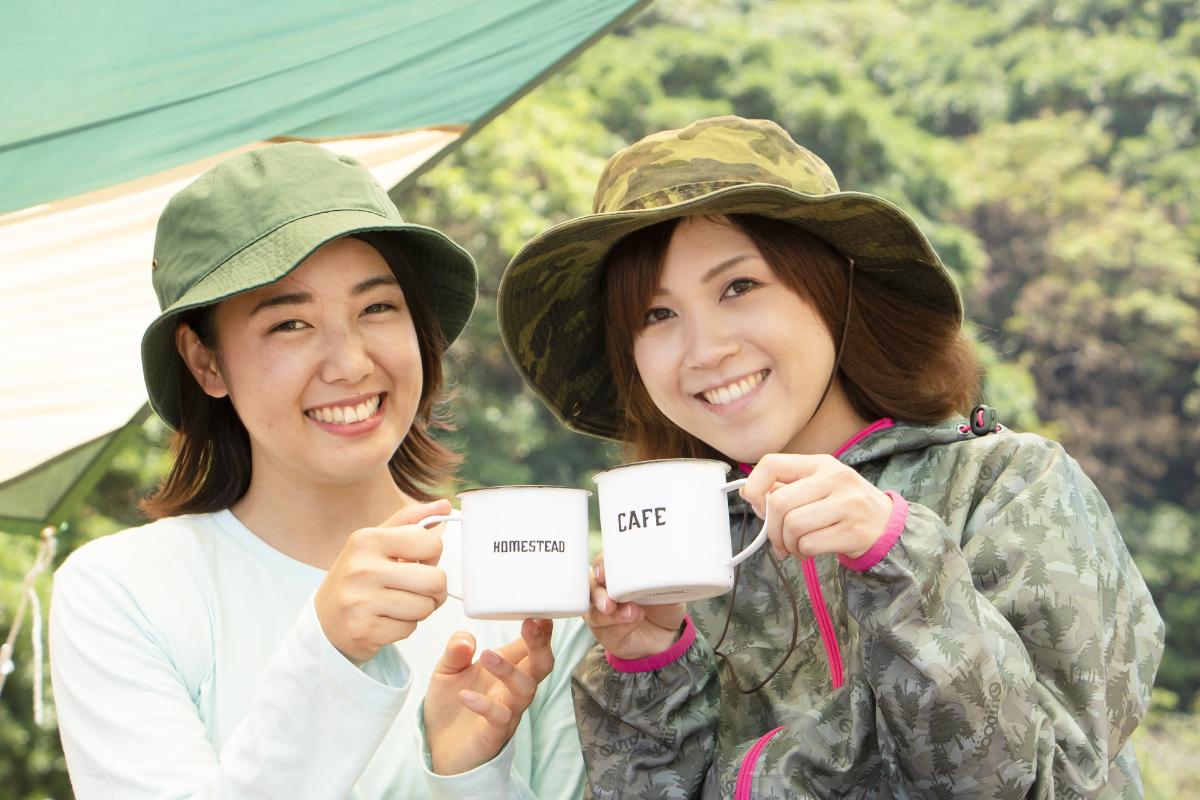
(1050, 151)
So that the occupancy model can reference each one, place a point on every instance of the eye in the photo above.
(379, 308)
(290, 325)
(738, 287)
(658, 314)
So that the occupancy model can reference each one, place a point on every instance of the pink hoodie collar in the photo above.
(880, 424)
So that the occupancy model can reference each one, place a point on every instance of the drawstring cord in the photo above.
(810, 572)
(792, 601)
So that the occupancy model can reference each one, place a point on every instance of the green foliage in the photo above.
(1166, 744)
(35, 767)
(1165, 541)
(31, 760)
(1048, 147)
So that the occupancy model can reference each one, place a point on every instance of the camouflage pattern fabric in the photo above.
(1004, 648)
(725, 165)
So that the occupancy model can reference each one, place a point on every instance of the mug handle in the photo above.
(758, 541)
(454, 516)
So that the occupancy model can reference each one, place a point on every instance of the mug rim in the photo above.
(478, 489)
(598, 475)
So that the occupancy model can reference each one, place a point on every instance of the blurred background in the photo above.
(1050, 151)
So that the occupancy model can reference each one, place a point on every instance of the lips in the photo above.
(346, 413)
(734, 390)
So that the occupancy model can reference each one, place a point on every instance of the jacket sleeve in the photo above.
(130, 728)
(648, 730)
(1012, 660)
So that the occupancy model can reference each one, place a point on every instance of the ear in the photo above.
(200, 361)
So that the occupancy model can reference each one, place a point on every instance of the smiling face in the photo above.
(323, 366)
(732, 354)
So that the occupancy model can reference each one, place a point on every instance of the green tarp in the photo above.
(96, 94)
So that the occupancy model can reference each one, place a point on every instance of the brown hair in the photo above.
(212, 465)
(900, 359)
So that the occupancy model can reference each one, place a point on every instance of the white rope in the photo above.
(38, 679)
(29, 599)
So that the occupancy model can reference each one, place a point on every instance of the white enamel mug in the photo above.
(524, 551)
(665, 525)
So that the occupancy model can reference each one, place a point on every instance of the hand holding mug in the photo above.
(815, 504)
(630, 630)
(472, 708)
(383, 583)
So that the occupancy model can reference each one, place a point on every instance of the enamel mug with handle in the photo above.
(665, 526)
(524, 551)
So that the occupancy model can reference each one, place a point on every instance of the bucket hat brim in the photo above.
(446, 270)
(550, 304)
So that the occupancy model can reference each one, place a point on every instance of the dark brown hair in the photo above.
(212, 465)
(901, 359)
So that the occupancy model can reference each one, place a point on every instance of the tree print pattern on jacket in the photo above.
(1005, 647)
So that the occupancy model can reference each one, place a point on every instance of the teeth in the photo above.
(733, 391)
(344, 415)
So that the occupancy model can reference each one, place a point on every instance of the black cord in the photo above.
(792, 600)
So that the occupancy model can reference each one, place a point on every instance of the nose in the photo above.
(710, 342)
(347, 357)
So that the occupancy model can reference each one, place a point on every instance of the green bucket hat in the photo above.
(253, 218)
(550, 299)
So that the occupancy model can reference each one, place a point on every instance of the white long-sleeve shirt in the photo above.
(187, 662)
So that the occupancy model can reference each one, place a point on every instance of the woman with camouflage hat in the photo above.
(947, 608)
(271, 634)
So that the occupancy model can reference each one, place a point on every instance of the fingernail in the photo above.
(469, 696)
(491, 658)
(607, 606)
(600, 573)
(627, 612)
(536, 630)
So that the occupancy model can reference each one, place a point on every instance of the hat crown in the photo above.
(246, 197)
(708, 155)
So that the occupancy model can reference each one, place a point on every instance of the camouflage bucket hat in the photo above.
(252, 219)
(550, 299)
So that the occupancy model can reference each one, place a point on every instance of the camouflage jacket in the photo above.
(1004, 647)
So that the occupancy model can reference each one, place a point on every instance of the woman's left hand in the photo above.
(816, 504)
(472, 708)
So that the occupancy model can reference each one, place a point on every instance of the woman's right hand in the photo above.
(383, 583)
(628, 630)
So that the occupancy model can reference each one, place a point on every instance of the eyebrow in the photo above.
(300, 298)
(290, 299)
(371, 283)
(724, 265)
(712, 273)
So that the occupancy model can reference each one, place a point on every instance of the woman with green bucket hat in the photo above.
(279, 630)
(946, 609)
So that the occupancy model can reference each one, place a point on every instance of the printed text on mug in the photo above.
(641, 518)
(530, 546)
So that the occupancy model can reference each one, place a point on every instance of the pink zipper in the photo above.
(746, 771)
(812, 583)
(833, 653)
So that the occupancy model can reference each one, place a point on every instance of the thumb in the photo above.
(460, 651)
(415, 512)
